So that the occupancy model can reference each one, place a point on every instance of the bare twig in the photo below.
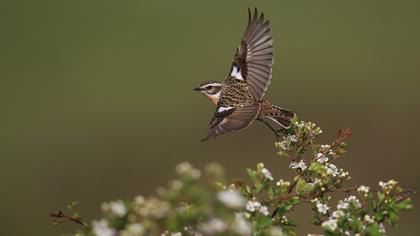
(60, 215)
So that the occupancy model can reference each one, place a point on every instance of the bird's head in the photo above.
(211, 89)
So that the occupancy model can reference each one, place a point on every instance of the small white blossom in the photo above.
(101, 228)
(283, 145)
(187, 169)
(264, 210)
(139, 200)
(176, 184)
(330, 224)
(241, 226)
(292, 138)
(337, 214)
(231, 198)
(213, 226)
(322, 208)
(276, 231)
(267, 173)
(253, 206)
(354, 200)
(363, 189)
(176, 234)
(387, 186)
(343, 205)
(321, 158)
(368, 219)
(332, 170)
(382, 228)
(382, 184)
(134, 229)
(281, 182)
(298, 165)
(116, 208)
(344, 173)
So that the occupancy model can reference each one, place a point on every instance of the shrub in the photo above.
(202, 202)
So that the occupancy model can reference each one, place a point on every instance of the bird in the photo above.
(240, 99)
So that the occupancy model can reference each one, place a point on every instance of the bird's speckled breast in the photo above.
(235, 93)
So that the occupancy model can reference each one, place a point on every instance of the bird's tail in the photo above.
(279, 115)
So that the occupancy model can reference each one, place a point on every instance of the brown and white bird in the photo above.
(239, 99)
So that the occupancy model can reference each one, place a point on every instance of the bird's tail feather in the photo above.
(281, 116)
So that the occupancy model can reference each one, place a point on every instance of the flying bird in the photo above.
(239, 99)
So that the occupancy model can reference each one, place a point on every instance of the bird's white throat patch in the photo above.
(236, 72)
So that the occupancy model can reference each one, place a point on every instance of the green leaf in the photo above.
(303, 188)
(405, 205)
(373, 230)
(252, 174)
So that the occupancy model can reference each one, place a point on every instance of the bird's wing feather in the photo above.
(254, 57)
(228, 119)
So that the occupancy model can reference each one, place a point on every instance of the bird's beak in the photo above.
(198, 89)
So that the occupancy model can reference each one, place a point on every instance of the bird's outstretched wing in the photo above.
(254, 57)
(226, 119)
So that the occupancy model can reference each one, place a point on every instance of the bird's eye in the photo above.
(209, 87)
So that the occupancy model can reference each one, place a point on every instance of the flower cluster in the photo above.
(201, 202)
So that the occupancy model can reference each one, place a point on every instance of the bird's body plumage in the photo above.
(239, 98)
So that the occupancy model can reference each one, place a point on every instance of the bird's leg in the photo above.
(276, 132)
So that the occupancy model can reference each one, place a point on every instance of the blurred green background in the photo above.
(97, 102)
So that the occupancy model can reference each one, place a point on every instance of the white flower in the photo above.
(298, 165)
(253, 206)
(354, 200)
(264, 210)
(368, 219)
(276, 231)
(139, 200)
(134, 229)
(267, 173)
(183, 168)
(363, 189)
(231, 198)
(387, 186)
(213, 226)
(283, 183)
(322, 208)
(292, 138)
(332, 170)
(101, 228)
(382, 228)
(337, 214)
(283, 145)
(321, 158)
(343, 205)
(330, 224)
(176, 234)
(187, 169)
(241, 226)
(382, 184)
(116, 208)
